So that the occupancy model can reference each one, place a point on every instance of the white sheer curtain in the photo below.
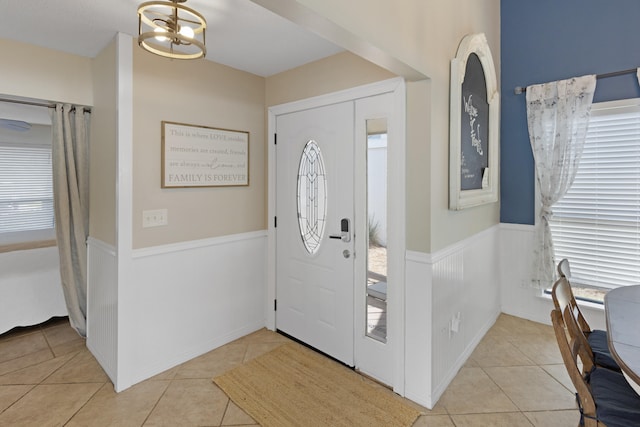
(70, 126)
(558, 117)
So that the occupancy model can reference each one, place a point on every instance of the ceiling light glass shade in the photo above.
(172, 30)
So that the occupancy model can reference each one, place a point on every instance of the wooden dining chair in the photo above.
(564, 270)
(597, 339)
(605, 398)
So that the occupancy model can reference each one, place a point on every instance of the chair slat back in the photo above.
(564, 271)
(572, 351)
(563, 295)
(568, 307)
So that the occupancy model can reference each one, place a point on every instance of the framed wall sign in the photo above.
(474, 130)
(200, 156)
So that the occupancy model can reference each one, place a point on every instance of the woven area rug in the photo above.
(295, 386)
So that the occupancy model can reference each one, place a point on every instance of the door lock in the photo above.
(345, 231)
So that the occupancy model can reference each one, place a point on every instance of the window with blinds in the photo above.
(26, 192)
(596, 225)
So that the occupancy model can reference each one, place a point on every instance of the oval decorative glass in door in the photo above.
(312, 196)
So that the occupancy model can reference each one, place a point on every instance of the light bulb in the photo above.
(186, 31)
(160, 38)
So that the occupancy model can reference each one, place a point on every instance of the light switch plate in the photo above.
(154, 218)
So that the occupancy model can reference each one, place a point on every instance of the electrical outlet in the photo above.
(154, 218)
(455, 322)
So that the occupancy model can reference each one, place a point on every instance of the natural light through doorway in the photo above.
(377, 238)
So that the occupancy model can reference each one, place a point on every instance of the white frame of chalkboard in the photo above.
(458, 198)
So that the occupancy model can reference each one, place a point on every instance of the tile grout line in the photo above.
(557, 380)
(226, 408)
(536, 364)
(85, 403)
(155, 405)
(44, 335)
(20, 398)
(242, 362)
(23, 355)
(42, 382)
(60, 367)
(503, 390)
(33, 386)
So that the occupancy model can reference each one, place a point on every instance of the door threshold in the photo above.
(372, 379)
(309, 346)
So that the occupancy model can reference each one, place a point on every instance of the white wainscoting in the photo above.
(192, 297)
(102, 305)
(455, 288)
(518, 298)
(188, 299)
(418, 328)
(30, 288)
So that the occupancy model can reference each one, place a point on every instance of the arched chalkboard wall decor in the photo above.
(475, 108)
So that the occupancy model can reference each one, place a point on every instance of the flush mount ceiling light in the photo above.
(172, 30)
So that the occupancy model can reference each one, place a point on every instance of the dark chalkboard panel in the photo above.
(474, 126)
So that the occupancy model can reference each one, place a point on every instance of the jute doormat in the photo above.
(295, 386)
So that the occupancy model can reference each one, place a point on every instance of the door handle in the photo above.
(345, 231)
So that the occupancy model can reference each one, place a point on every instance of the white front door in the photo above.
(323, 285)
(314, 233)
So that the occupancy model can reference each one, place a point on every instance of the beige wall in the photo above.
(197, 93)
(418, 176)
(341, 71)
(34, 72)
(425, 36)
(103, 147)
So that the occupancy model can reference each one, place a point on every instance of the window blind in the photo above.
(26, 191)
(596, 225)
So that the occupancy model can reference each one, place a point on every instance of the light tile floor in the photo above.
(515, 377)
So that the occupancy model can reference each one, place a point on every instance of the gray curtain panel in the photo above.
(70, 129)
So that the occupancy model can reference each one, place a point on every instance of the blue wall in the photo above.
(547, 40)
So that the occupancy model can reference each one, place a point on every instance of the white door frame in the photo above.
(396, 201)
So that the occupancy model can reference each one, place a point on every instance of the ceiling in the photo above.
(240, 33)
